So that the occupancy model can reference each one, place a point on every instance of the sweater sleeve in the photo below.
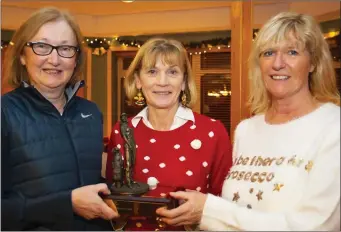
(19, 212)
(222, 161)
(318, 210)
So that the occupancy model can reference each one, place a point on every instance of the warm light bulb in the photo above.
(127, 1)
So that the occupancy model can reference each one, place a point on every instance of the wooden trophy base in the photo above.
(136, 202)
(140, 205)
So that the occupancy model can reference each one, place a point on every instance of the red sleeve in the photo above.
(111, 145)
(222, 161)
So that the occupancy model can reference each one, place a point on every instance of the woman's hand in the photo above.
(188, 213)
(87, 203)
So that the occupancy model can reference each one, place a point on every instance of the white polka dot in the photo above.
(145, 170)
(152, 182)
(204, 164)
(196, 144)
(182, 158)
(162, 165)
(208, 186)
(211, 134)
(213, 120)
(116, 131)
(193, 127)
(152, 140)
(208, 176)
(189, 173)
(122, 157)
(137, 146)
(163, 194)
(198, 188)
(146, 158)
(176, 146)
(118, 146)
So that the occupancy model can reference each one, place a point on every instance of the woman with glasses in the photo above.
(51, 139)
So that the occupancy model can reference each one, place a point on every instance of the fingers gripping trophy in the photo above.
(123, 169)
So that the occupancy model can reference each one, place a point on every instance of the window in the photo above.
(214, 60)
(216, 97)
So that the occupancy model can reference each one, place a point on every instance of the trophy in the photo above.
(123, 182)
(131, 197)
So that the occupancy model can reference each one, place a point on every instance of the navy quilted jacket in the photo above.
(44, 157)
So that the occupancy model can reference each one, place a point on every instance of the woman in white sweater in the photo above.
(286, 171)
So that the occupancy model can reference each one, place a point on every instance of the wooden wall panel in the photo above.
(241, 42)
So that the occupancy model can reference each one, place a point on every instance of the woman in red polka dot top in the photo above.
(175, 147)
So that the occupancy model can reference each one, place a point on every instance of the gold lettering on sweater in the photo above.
(259, 161)
(251, 176)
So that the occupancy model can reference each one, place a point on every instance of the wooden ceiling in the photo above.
(102, 8)
(143, 17)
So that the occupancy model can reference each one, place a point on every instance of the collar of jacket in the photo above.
(42, 102)
(69, 91)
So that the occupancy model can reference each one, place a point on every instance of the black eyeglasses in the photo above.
(44, 49)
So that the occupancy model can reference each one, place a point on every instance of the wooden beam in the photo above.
(328, 16)
(124, 49)
(109, 93)
(241, 42)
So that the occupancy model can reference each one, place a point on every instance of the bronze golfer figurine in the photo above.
(129, 196)
(123, 172)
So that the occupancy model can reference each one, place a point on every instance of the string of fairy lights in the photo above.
(100, 45)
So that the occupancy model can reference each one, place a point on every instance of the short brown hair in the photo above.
(173, 52)
(15, 72)
(322, 81)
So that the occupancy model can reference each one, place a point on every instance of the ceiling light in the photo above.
(127, 1)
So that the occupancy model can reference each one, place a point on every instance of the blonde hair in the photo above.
(322, 81)
(15, 72)
(172, 52)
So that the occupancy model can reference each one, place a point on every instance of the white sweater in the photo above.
(284, 177)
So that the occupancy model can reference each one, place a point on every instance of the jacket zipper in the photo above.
(63, 118)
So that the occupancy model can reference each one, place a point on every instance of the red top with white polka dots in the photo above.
(194, 156)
